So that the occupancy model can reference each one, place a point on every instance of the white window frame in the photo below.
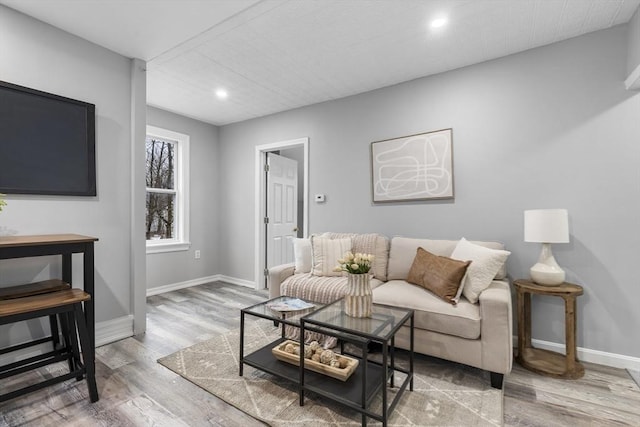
(181, 240)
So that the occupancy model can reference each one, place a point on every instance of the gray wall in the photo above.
(633, 60)
(176, 267)
(552, 127)
(37, 55)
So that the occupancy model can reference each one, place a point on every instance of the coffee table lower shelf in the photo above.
(347, 392)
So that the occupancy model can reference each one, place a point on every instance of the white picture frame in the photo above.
(414, 167)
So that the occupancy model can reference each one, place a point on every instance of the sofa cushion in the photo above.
(431, 312)
(403, 250)
(322, 289)
(372, 243)
(302, 255)
(438, 274)
(326, 253)
(485, 263)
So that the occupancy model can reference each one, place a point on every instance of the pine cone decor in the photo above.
(307, 352)
(327, 356)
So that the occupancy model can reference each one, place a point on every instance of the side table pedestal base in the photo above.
(549, 363)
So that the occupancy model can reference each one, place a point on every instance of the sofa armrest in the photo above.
(496, 327)
(277, 275)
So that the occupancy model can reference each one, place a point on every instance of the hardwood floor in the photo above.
(135, 390)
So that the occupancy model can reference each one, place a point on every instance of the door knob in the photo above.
(295, 229)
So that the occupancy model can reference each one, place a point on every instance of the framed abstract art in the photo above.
(414, 167)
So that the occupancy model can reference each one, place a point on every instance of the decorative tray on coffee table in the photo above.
(341, 374)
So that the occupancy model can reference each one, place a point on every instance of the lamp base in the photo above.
(545, 275)
(547, 271)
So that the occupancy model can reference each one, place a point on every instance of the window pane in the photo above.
(160, 163)
(160, 216)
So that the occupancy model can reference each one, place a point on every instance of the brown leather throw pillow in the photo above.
(438, 274)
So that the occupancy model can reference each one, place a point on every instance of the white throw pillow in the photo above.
(326, 253)
(302, 254)
(485, 263)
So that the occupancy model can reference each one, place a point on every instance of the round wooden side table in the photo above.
(544, 361)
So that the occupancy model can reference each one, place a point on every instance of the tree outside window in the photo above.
(161, 188)
(167, 198)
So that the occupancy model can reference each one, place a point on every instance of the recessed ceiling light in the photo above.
(221, 94)
(438, 22)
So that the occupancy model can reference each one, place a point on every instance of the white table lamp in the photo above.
(546, 226)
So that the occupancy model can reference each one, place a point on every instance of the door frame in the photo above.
(260, 198)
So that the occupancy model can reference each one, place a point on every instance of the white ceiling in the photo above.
(275, 55)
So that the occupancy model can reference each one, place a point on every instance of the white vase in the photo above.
(358, 300)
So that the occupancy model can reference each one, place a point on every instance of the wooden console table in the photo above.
(543, 361)
(64, 245)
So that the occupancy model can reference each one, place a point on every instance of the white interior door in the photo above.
(282, 209)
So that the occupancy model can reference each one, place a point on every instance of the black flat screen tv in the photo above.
(47, 143)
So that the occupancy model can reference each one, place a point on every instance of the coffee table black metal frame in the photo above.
(263, 358)
(365, 383)
(359, 391)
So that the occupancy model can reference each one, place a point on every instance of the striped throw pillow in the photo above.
(326, 253)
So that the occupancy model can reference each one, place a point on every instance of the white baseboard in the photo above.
(587, 355)
(234, 281)
(122, 327)
(181, 285)
(200, 281)
(584, 354)
(114, 330)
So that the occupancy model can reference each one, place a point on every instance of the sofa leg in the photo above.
(496, 380)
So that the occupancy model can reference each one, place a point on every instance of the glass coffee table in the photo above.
(263, 358)
(371, 380)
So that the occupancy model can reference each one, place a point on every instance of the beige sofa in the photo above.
(476, 334)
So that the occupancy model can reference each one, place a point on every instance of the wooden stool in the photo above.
(68, 305)
(31, 289)
(38, 288)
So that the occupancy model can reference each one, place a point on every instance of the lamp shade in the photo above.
(546, 226)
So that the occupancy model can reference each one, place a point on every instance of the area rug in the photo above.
(445, 393)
